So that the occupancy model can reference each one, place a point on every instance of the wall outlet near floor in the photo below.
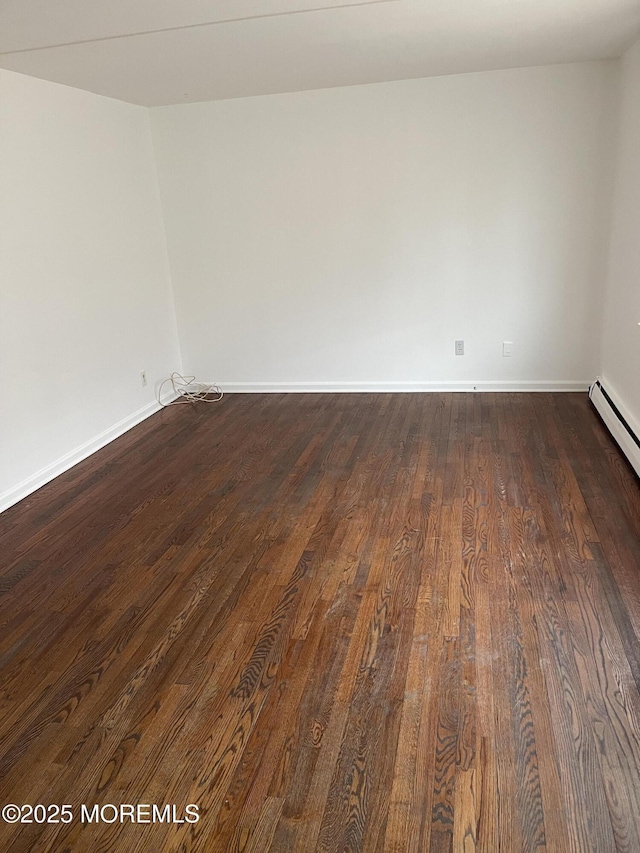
(143, 377)
(506, 348)
(459, 347)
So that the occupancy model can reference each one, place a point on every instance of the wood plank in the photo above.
(363, 622)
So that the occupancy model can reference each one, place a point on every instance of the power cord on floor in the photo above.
(187, 390)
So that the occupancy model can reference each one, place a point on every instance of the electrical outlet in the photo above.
(459, 347)
(506, 348)
(143, 377)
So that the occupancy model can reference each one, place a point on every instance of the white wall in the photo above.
(351, 235)
(621, 338)
(317, 239)
(85, 294)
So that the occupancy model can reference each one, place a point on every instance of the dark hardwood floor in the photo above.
(334, 623)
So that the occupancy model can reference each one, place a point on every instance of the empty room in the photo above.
(320, 426)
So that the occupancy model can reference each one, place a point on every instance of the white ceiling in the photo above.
(156, 52)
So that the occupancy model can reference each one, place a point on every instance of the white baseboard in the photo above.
(394, 387)
(613, 423)
(59, 466)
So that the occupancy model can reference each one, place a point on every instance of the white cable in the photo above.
(187, 390)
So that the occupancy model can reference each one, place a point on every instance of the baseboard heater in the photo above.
(616, 423)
